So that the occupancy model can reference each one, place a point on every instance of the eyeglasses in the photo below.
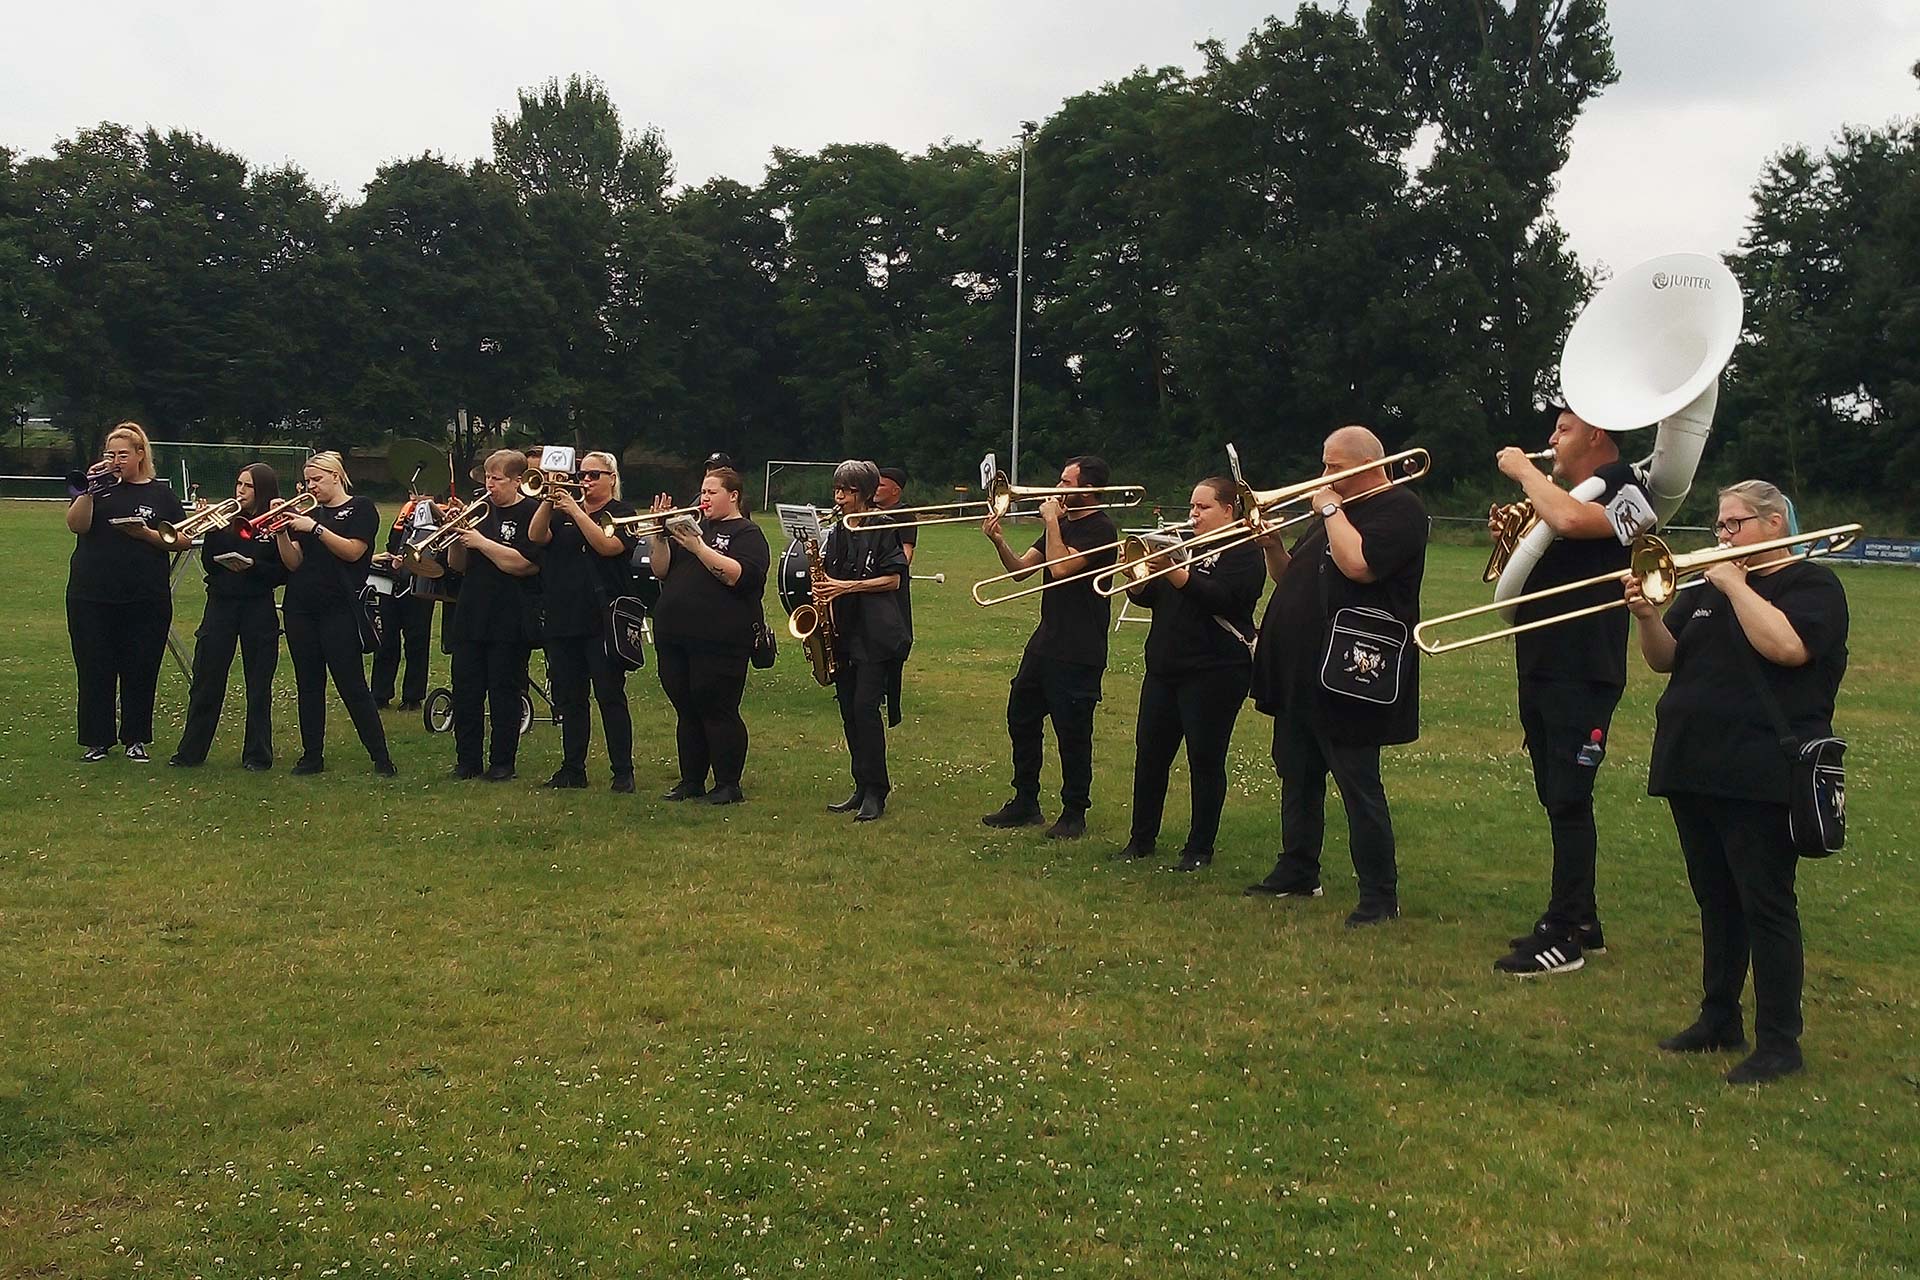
(1730, 526)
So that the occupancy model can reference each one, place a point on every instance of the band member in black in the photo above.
(1338, 685)
(582, 568)
(119, 601)
(326, 556)
(1572, 675)
(495, 627)
(864, 571)
(1719, 761)
(1199, 662)
(711, 576)
(407, 613)
(893, 483)
(1059, 675)
(242, 574)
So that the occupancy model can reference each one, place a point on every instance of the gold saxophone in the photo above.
(812, 625)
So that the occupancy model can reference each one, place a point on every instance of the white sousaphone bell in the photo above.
(1646, 350)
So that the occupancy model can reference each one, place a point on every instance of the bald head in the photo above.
(1353, 445)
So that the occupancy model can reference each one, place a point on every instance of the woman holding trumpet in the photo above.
(119, 602)
(712, 572)
(1199, 662)
(325, 552)
(1771, 625)
(586, 563)
(494, 628)
(242, 574)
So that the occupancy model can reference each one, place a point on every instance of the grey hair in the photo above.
(861, 477)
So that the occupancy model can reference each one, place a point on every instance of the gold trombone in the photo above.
(218, 516)
(1661, 573)
(981, 596)
(418, 558)
(270, 522)
(1265, 512)
(1512, 522)
(643, 524)
(1003, 497)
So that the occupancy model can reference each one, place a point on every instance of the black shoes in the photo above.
(1372, 913)
(256, 766)
(872, 805)
(95, 755)
(386, 768)
(623, 783)
(681, 791)
(567, 780)
(1766, 1064)
(1542, 954)
(137, 753)
(1071, 826)
(1703, 1037)
(1592, 941)
(725, 795)
(499, 773)
(851, 803)
(1192, 861)
(1021, 811)
(465, 772)
(178, 761)
(1283, 882)
(412, 704)
(306, 765)
(1132, 849)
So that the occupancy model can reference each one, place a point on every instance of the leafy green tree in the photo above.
(25, 298)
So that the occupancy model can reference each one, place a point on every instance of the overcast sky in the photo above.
(1663, 161)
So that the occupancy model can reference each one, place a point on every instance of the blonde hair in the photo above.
(611, 465)
(331, 463)
(136, 435)
(513, 463)
(1765, 499)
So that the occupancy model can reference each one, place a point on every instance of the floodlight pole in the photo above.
(1027, 128)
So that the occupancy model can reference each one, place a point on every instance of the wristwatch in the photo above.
(1326, 512)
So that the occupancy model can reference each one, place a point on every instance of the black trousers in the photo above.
(117, 650)
(577, 666)
(1199, 707)
(860, 688)
(488, 679)
(1741, 864)
(1304, 756)
(1560, 718)
(1065, 692)
(329, 643)
(250, 623)
(705, 689)
(409, 629)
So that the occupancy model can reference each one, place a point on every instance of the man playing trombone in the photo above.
(1060, 671)
(1571, 675)
(1336, 672)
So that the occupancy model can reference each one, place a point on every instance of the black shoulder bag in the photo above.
(372, 623)
(1365, 650)
(1817, 797)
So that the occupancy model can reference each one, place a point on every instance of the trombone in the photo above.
(1661, 573)
(1265, 513)
(1512, 522)
(1163, 534)
(205, 520)
(270, 522)
(643, 524)
(418, 558)
(551, 484)
(1003, 497)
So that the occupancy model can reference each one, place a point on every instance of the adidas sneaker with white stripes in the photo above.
(1541, 955)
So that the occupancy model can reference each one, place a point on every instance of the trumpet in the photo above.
(982, 595)
(1003, 499)
(1266, 513)
(418, 558)
(643, 524)
(1661, 573)
(551, 484)
(812, 624)
(1512, 522)
(205, 520)
(270, 522)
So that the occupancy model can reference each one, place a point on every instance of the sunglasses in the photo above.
(594, 475)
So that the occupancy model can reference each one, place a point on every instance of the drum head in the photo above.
(795, 583)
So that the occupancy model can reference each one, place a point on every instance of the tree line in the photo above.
(1245, 253)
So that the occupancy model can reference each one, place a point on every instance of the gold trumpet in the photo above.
(1120, 546)
(1661, 573)
(1512, 522)
(643, 524)
(1003, 497)
(270, 522)
(551, 484)
(1265, 513)
(205, 520)
(418, 558)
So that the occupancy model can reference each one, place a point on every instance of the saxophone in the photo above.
(812, 625)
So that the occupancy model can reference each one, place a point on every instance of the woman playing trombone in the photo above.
(1199, 663)
(1771, 627)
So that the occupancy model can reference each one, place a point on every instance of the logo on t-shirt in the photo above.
(145, 513)
(722, 542)
(509, 530)
(1702, 612)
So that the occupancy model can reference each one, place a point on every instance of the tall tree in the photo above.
(25, 298)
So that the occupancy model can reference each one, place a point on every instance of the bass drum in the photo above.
(794, 582)
(645, 586)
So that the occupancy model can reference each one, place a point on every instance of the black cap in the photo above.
(717, 460)
(896, 474)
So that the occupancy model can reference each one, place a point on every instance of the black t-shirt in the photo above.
(697, 608)
(1712, 734)
(260, 580)
(576, 581)
(909, 537)
(497, 607)
(109, 567)
(1190, 623)
(869, 626)
(1594, 648)
(1074, 618)
(1293, 633)
(324, 582)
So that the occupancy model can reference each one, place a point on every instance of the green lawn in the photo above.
(266, 1026)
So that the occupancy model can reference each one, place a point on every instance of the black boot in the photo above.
(1021, 811)
(1071, 826)
(872, 805)
(851, 803)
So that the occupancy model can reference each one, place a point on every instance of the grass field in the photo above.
(264, 1026)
